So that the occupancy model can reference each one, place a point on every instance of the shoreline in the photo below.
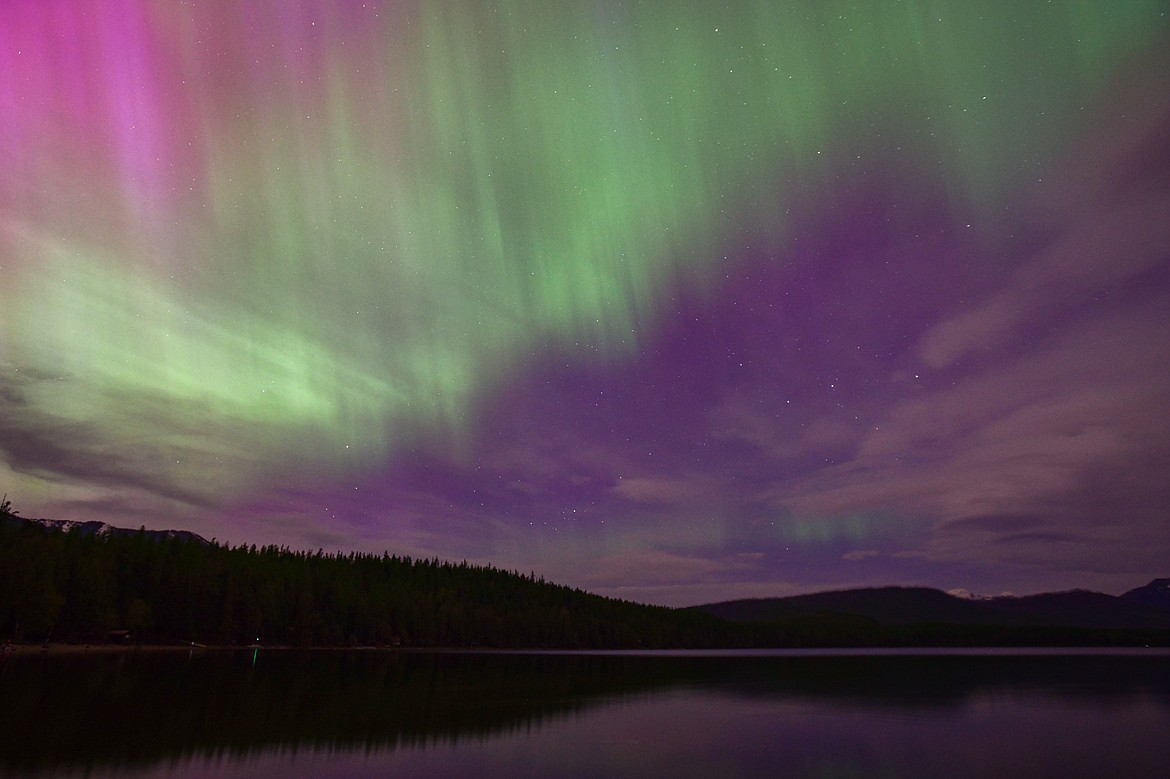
(30, 650)
(68, 649)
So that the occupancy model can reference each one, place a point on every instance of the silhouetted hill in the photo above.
(1145, 607)
(82, 582)
(1156, 593)
(886, 605)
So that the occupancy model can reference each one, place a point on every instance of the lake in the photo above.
(358, 714)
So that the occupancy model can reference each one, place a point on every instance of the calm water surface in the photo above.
(389, 714)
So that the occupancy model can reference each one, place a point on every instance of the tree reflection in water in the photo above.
(132, 709)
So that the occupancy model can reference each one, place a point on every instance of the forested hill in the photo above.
(77, 584)
(1144, 607)
(80, 582)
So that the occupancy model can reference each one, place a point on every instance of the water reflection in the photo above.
(344, 713)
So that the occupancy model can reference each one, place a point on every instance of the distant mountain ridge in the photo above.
(1143, 607)
(1156, 593)
(95, 528)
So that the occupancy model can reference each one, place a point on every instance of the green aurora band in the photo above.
(323, 232)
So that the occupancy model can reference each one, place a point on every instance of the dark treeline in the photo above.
(72, 587)
(78, 587)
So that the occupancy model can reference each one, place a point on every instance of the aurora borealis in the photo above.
(674, 301)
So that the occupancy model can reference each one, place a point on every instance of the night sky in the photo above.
(672, 301)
